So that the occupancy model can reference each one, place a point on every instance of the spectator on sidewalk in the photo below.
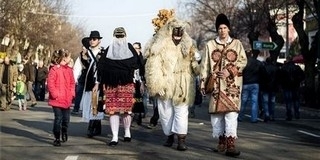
(269, 87)
(8, 79)
(250, 90)
(21, 89)
(41, 77)
(29, 71)
(291, 77)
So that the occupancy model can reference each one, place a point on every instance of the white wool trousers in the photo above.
(173, 118)
(224, 124)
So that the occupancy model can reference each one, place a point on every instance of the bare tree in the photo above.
(249, 19)
(203, 14)
(309, 55)
(41, 22)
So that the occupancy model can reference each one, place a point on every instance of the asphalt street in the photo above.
(28, 135)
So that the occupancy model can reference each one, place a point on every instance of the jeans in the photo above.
(268, 103)
(250, 91)
(61, 120)
(145, 101)
(79, 92)
(291, 98)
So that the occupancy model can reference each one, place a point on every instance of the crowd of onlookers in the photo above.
(22, 79)
(264, 81)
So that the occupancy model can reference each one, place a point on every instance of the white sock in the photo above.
(126, 124)
(114, 124)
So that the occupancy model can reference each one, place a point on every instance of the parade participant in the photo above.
(79, 73)
(116, 70)
(91, 112)
(61, 87)
(224, 60)
(171, 68)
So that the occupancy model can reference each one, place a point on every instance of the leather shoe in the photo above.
(113, 143)
(127, 139)
(64, 137)
(56, 142)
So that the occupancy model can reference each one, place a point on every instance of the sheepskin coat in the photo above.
(227, 92)
(171, 67)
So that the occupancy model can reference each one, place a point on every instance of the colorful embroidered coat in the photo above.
(226, 96)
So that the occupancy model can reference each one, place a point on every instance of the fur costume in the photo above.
(171, 68)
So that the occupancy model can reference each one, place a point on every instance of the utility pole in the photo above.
(287, 27)
(318, 48)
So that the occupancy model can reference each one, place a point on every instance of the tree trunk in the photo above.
(308, 56)
(253, 36)
(276, 38)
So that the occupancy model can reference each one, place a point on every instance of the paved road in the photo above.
(27, 135)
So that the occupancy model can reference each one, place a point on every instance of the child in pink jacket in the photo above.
(61, 86)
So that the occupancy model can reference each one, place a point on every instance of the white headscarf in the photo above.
(119, 49)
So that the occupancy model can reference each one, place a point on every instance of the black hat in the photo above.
(95, 34)
(86, 42)
(222, 19)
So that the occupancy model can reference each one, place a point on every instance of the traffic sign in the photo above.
(257, 45)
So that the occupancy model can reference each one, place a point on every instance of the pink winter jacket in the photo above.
(61, 86)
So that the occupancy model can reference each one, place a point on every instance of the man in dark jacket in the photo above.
(41, 77)
(250, 89)
(269, 86)
(29, 71)
(291, 78)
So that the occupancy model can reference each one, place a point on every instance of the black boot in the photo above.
(97, 127)
(137, 118)
(90, 129)
(181, 142)
(169, 141)
(64, 134)
(57, 142)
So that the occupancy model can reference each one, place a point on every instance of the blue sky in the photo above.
(105, 15)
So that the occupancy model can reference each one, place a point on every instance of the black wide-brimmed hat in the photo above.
(222, 19)
(95, 34)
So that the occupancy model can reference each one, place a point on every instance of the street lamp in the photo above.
(287, 27)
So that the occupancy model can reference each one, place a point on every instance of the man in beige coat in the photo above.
(171, 67)
(224, 59)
